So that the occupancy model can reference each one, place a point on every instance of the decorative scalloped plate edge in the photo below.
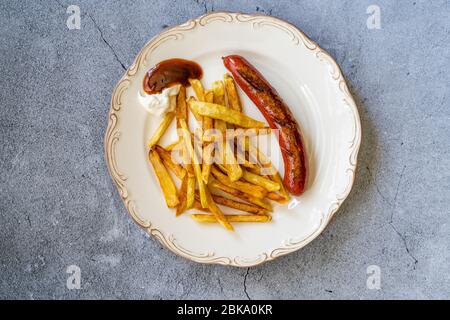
(112, 136)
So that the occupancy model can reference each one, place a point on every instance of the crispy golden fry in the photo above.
(266, 183)
(217, 111)
(255, 179)
(181, 110)
(244, 162)
(254, 209)
(208, 148)
(198, 89)
(193, 156)
(232, 95)
(269, 169)
(275, 196)
(209, 96)
(207, 161)
(197, 117)
(182, 114)
(182, 196)
(217, 213)
(219, 98)
(197, 205)
(166, 157)
(258, 156)
(219, 92)
(215, 186)
(222, 168)
(161, 129)
(234, 170)
(283, 192)
(231, 204)
(190, 191)
(173, 145)
(238, 205)
(240, 133)
(165, 181)
(232, 218)
(256, 191)
(227, 155)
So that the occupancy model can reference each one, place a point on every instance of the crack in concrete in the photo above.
(405, 244)
(245, 284)
(377, 187)
(113, 51)
(220, 285)
(396, 193)
(29, 220)
(391, 221)
(393, 206)
(106, 42)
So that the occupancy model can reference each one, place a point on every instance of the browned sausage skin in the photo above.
(278, 115)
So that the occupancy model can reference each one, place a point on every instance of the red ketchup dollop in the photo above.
(170, 72)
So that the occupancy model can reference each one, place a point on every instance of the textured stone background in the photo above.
(59, 206)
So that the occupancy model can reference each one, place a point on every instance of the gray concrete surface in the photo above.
(59, 206)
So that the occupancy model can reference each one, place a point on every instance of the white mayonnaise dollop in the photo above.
(161, 103)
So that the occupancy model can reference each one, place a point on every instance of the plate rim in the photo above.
(112, 137)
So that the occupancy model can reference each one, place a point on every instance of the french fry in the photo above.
(240, 133)
(168, 187)
(256, 191)
(181, 110)
(207, 161)
(198, 89)
(161, 129)
(217, 111)
(182, 196)
(239, 205)
(197, 117)
(208, 148)
(234, 170)
(193, 156)
(172, 146)
(227, 154)
(219, 98)
(283, 192)
(219, 92)
(254, 209)
(268, 166)
(190, 191)
(217, 213)
(275, 196)
(182, 113)
(231, 218)
(197, 205)
(244, 162)
(232, 95)
(209, 96)
(266, 183)
(215, 186)
(166, 157)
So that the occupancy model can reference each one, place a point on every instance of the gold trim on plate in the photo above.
(112, 135)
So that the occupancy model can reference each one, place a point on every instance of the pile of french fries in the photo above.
(214, 170)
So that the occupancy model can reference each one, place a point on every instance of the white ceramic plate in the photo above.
(309, 81)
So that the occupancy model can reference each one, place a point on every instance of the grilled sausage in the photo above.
(278, 115)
